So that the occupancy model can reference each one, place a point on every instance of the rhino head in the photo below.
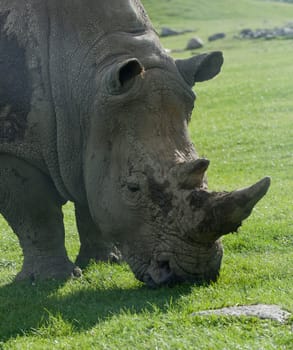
(145, 183)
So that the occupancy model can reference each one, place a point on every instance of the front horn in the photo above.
(225, 212)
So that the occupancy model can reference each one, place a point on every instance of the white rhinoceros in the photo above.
(93, 111)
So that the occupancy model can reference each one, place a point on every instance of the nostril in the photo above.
(167, 277)
(164, 265)
(159, 274)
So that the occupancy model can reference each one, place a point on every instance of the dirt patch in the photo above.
(160, 196)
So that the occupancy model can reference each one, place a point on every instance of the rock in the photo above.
(262, 311)
(165, 31)
(287, 31)
(168, 32)
(217, 36)
(268, 34)
(246, 33)
(194, 43)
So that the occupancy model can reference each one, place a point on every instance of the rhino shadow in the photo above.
(31, 307)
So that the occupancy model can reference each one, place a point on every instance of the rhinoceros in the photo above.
(94, 111)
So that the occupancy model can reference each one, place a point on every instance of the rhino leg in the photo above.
(32, 207)
(93, 246)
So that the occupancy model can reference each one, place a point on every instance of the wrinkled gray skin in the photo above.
(93, 110)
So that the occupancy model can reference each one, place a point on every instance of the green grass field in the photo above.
(243, 123)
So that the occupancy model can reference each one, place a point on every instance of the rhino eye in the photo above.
(133, 187)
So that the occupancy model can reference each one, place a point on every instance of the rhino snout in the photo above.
(200, 265)
(159, 273)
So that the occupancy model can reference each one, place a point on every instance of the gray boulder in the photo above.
(217, 36)
(165, 31)
(168, 32)
(268, 34)
(194, 43)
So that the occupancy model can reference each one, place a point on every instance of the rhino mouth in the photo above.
(161, 275)
(164, 273)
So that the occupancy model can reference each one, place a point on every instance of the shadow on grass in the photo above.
(24, 307)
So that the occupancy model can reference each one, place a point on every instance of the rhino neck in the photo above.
(84, 37)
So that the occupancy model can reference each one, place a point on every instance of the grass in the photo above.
(218, 15)
(243, 124)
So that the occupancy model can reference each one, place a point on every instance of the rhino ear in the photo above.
(122, 75)
(129, 70)
(201, 67)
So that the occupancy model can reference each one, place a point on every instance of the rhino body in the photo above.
(93, 111)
